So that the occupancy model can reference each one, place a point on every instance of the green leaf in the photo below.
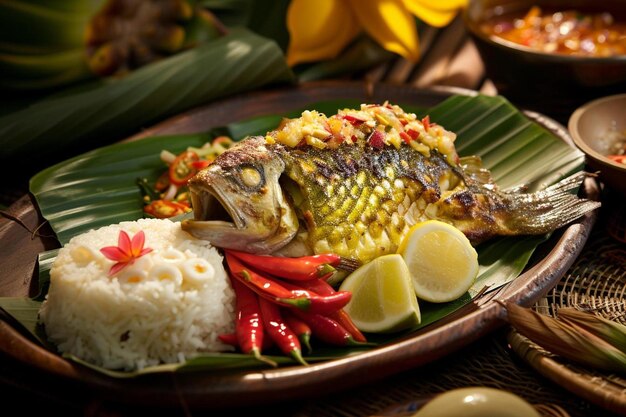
(231, 13)
(501, 260)
(88, 117)
(269, 19)
(45, 262)
(50, 28)
(212, 361)
(517, 150)
(98, 188)
(25, 311)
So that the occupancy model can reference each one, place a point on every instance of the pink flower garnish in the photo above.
(126, 251)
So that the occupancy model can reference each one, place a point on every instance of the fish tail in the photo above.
(549, 209)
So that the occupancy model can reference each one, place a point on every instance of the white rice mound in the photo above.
(168, 306)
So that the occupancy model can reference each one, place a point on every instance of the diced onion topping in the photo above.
(376, 125)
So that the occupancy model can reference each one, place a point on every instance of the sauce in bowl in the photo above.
(567, 32)
(617, 145)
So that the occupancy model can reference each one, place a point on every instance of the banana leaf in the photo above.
(53, 25)
(108, 110)
(516, 149)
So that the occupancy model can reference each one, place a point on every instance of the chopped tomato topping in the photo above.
(426, 122)
(414, 134)
(377, 139)
(355, 121)
(181, 170)
(163, 209)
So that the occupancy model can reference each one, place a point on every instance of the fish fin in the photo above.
(549, 209)
(471, 162)
(473, 171)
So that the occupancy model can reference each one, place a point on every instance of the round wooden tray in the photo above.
(19, 249)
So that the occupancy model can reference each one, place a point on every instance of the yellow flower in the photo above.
(320, 30)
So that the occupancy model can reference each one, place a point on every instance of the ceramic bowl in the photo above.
(550, 83)
(594, 127)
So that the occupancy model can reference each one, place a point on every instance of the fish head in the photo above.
(238, 202)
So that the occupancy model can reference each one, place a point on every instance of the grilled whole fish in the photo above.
(355, 183)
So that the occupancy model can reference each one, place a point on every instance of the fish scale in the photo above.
(366, 201)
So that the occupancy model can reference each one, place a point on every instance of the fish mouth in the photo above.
(222, 222)
(216, 218)
(212, 208)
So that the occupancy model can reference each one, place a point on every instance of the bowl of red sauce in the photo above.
(551, 56)
(598, 128)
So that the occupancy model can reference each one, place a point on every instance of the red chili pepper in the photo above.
(249, 323)
(320, 304)
(281, 334)
(327, 329)
(405, 137)
(319, 286)
(285, 293)
(302, 268)
(300, 328)
(229, 339)
(181, 169)
(344, 319)
(263, 286)
(201, 164)
(162, 182)
(340, 316)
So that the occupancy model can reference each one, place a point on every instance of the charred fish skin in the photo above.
(355, 183)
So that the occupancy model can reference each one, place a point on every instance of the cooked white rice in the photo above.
(158, 310)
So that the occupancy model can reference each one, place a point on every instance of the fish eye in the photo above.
(251, 177)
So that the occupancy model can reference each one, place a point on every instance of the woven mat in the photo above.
(596, 282)
(486, 363)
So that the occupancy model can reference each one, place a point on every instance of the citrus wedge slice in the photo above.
(383, 299)
(442, 261)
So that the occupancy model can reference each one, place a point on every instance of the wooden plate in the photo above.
(19, 249)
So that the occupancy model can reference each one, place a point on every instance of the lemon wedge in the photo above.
(442, 261)
(383, 299)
